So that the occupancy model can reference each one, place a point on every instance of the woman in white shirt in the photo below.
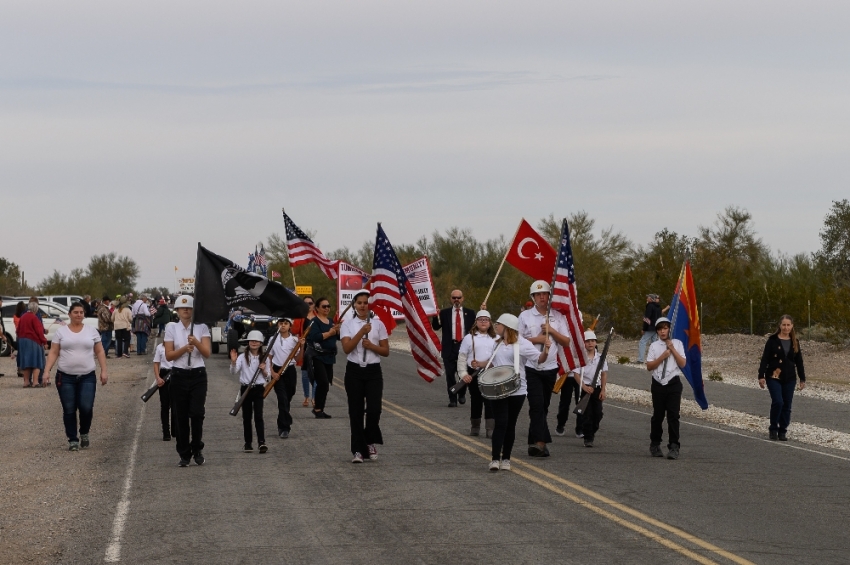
(506, 410)
(246, 366)
(475, 349)
(364, 341)
(75, 346)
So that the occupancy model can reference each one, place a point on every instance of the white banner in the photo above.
(351, 279)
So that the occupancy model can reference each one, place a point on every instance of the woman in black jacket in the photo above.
(781, 363)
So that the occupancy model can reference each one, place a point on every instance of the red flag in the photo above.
(390, 288)
(531, 253)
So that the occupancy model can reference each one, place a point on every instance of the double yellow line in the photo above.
(584, 497)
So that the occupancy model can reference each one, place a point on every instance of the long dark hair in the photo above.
(20, 308)
(794, 340)
(248, 352)
(490, 331)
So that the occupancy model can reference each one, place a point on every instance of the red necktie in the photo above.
(458, 326)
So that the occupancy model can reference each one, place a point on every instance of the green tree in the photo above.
(10, 279)
(106, 274)
(835, 241)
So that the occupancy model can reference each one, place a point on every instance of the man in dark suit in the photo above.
(455, 323)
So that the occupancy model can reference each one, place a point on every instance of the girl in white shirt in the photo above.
(506, 410)
(364, 341)
(246, 366)
(475, 349)
(285, 378)
(161, 370)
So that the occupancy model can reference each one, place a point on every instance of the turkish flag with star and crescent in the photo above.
(531, 253)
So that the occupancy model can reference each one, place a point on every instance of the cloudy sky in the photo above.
(145, 129)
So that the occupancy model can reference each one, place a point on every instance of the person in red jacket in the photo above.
(31, 344)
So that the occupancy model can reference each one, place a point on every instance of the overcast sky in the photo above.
(143, 129)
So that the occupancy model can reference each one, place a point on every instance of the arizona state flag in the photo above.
(531, 253)
(686, 328)
(221, 284)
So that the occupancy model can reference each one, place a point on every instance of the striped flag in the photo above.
(565, 301)
(261, 261)
(275, 275)
(302, 250)
(390, 288)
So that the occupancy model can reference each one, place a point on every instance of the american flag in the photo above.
(418, 277)
(565, 300)
(260, 261)
(275, 275)
(302, 250)
(390, 288)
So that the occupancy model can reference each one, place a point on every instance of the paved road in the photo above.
(429, 498)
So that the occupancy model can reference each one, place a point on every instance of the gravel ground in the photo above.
(50, 497)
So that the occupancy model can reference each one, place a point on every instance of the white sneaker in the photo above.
(357, 458)
(494, 465)
(373, 451)
(506, 465)
(579, 435)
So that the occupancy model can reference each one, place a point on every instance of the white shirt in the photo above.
(530, 322)
(76, 350)
(178, 334)
(159, 357)
(246, 369)
(484, 345)
(379, 331)
(656, 349)
(140, 309)
(527, 353)
(588, 371)
(281, 349)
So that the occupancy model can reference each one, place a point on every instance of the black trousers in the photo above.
(592, 415)
(166, 414)
(569, 392)
(540, 384)
(364, 385)
(284, 389)
(253, 407)
(450, 365)
(323, 373)
(122, 342)
(188, 395)
(505, 411)
(666, 400)
(477, 403)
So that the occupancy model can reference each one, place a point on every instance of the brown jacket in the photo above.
(104, 319)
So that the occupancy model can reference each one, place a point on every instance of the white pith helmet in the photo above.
(589, 335)
(483, 314)
(256, 335)
(184, 301)
(539, 286)
(509, 321)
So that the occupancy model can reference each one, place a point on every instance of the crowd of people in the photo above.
(524, 349)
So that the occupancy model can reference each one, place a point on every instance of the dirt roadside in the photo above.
(53, 500)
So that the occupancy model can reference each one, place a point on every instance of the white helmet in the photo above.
(483, 314)
(256, 335)
(184, 301)
(662, 320)
(539, 286)
(589, 334)
(509, 321)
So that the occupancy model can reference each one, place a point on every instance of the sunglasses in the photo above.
(457, 297)
(324, 306)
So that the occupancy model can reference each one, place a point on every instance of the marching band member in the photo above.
(541, 376)
(364, 341)
(666, 388)
(584, 377)
(246, 365)
(474, 352)
(161, 367)
(187, 345)
(285, 378)
(569, 392)
(514, 351)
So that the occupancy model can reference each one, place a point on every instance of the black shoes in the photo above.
(673, 453)
(535, 450)
(782, 436)
(263, 448)
(199, 458)
(84, 441)
(166, 437)
(183, 463)
(462, 399)
(321, 414)
(588, 443)
(774, 435)
(453, 404)
(248, 448)
(655, 450)
(283, 434)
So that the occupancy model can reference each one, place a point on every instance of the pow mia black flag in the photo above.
(221, 284)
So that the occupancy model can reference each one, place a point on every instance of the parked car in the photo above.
(53, 316)
(64, 299)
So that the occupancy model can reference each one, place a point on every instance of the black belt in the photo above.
(192, 371)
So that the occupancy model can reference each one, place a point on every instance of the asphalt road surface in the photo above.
(730, 498)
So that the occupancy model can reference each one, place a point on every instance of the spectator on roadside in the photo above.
(74, 350)
(141, 323)
(20, 308)
(309, 385)
(3, 331)
(323, 337)
(162, 317)
(31, 344)
(651, 313)
(122, 320)
(781, 364)
(105, 325)
(87, 306)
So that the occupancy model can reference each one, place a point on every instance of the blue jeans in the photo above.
(305, 384)
(141, 343)
(647, 338)
(781, 396)
(106, 340)
(76, 392)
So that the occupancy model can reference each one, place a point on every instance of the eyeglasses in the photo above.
(324, 306)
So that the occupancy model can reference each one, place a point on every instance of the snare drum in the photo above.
(498, 382)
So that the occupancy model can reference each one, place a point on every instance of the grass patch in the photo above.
(715, 376)
(623, 360)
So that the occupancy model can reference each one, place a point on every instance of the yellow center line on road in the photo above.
(475, 447)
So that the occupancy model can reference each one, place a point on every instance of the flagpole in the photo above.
(194, 310)
(484, 303)
(676, 294)
(294, 284)
(554, 276)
